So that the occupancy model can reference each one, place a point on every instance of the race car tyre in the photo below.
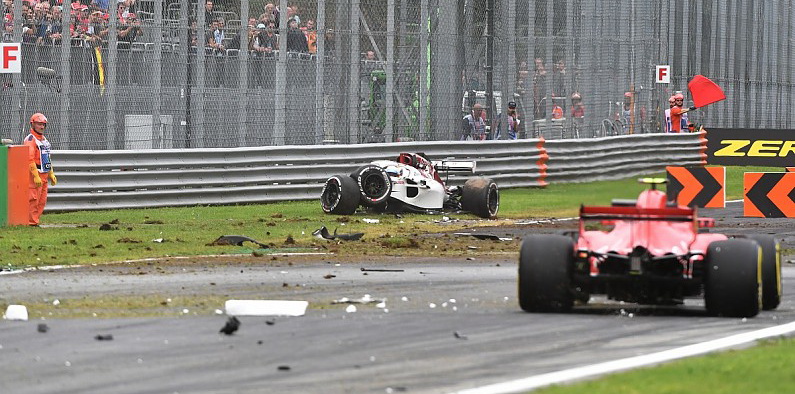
(340, 195)
(481, 197)
(771, 271)
(732, 283)
(546, 265)
(374, 184)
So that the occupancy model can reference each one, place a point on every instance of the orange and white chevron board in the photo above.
(703, 187)
(769, 194)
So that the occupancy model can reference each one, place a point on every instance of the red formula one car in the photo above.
(652, 252)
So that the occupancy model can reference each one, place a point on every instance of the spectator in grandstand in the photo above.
(192, 33)
(539, 90)
(215, 38)
(577, 114)
(292, 13)
(266, 42)
(473, 126)
(559, 79)
(311, 35)
(27, 12)
(296, 40)
(557, 110)
(39, 13)
(577, 108)
(370, 55)
(8, 31)
(130, 29)
(97, 31)
(83, 16)
(130, 5)
(627, 111)
(524, 71)
(122, 11)
(330, 37)
(510, 121)
(101, 4)
(51, 29)
(209, 13)
(42, 22)
(559, 84)
(521, 77)
(268, 15)
(29, 33)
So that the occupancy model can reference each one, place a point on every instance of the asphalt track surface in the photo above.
(458, 327)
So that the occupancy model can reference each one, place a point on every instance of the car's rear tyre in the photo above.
(771, 271)
(545, 273)
(340, 195)
(374, 184)
(732, 282)
(481, 196)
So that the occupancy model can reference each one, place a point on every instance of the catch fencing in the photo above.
(109, 179)
(377, 71)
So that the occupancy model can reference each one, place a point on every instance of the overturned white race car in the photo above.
(412, 183)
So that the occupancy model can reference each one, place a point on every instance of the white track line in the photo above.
(568, 375)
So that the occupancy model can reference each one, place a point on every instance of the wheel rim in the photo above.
(493, 200)
(331, 196)
(374, 186)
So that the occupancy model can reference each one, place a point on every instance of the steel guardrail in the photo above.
(111, 179)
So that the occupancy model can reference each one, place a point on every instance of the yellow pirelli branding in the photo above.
(753, 147)
(759, 148)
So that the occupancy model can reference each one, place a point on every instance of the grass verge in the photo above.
(116, 235)
(762, 369)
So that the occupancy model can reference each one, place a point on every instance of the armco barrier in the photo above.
(617, 157)
(182, 177)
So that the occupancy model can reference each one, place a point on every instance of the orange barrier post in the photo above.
(18, 174)
(542, 162)
(3, 181)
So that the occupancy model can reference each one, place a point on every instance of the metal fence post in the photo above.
(353, 88)
(242, 59)
(111, 67)
(196, 139)
(280, 114)
(157, 82)
(18, 114)
(389, 130)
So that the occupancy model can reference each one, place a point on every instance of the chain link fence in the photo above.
(151, 74)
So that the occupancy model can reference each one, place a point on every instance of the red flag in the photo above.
(704, 91)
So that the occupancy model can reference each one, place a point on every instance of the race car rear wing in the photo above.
(670, 214)
(455, 166)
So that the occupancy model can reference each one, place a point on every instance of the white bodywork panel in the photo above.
(413, 186)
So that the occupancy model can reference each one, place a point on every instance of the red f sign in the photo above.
(10, 58)
(663, 74)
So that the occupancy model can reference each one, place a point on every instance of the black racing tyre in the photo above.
(771, 271)
(374, 184)
(546, 263)
(481, 196)
(340, 195)
(732, 281)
